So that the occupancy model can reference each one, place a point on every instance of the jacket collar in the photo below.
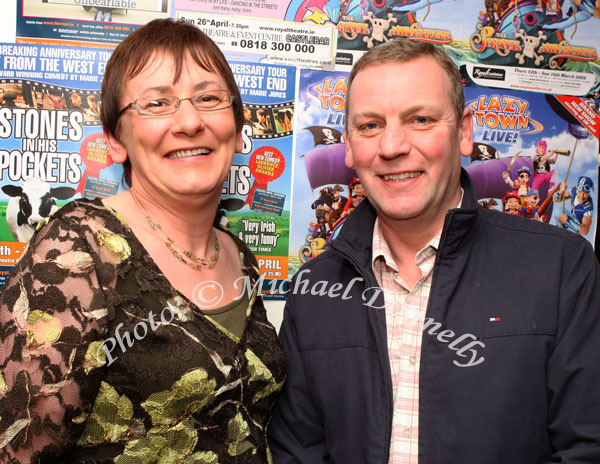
(355, 239)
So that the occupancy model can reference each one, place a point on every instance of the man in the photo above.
(3, 101)
(76, 101)
(338, 201)
(415, 338)
(579, 218)
(92, 112)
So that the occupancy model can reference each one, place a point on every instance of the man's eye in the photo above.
(421, 120)
(368, 127)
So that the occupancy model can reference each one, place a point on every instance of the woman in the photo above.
(124, 338)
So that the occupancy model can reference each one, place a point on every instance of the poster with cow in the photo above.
(536, 156)
(52, 148)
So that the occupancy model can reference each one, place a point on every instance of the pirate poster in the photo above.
(93, 23)
(362, 25)
(53, 149)
(257, 194)
(325, 189)
(536, 156)
(548, 46)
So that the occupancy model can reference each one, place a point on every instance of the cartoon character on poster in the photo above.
(547, 34)
(364, 24)
(535, 156)
(325, 189)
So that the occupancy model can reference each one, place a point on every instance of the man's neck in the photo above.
(404, 242)
(405, 238)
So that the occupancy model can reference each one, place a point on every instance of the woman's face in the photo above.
(184, 153)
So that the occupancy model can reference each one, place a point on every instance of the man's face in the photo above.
(583, 196)
(1, 94)
(76, 100)
(405, 145)
(523, 177)
(532, 201)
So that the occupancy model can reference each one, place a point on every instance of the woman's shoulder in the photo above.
(87, 212)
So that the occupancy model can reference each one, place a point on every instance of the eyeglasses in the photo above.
(585, 188)
(161, 105)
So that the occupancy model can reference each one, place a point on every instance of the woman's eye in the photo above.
(157, 103)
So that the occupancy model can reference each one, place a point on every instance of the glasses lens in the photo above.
(157, 105)
(210, 100)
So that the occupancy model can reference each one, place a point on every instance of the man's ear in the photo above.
(466, 132)
(117, 151)
(348, 159)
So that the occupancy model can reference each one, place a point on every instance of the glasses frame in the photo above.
(134, 104)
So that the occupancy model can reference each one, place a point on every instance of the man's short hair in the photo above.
(403, 50)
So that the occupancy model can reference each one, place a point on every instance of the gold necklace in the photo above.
(210, 263)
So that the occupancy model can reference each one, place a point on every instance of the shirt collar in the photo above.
(381, 249)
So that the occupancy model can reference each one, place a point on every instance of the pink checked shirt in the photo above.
(405, 316)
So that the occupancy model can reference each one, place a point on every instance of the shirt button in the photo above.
(412, 360)
(407, 432)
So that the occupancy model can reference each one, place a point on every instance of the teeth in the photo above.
(401, 177)
(188, 153)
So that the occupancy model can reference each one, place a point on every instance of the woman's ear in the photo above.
(117, 151)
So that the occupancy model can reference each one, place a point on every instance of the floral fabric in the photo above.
(102, 360)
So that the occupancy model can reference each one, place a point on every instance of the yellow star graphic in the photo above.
(317, 16)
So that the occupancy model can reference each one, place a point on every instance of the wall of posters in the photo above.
(541, 53)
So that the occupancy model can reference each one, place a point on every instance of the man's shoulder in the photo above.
(513, 227)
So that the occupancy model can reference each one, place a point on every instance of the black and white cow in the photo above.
(30, 203)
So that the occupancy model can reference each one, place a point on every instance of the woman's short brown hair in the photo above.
(172, 38)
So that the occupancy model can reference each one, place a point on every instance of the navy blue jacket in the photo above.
(531, 393)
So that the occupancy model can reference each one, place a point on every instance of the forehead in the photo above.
(160, 71)
(419, 80)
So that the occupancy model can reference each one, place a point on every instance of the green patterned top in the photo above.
(103, 361)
